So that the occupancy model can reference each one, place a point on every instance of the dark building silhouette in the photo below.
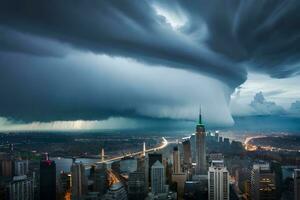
(187, 154)
(47, 180)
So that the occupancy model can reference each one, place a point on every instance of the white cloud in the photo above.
(283, 92)
(263, 107)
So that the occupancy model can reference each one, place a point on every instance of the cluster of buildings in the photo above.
(19, 180)
(185, 170)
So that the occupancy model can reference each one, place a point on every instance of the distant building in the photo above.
(142, 166)
(176, 161)
(79, 181)
(179, 179)
(137, 185)
(193, 147)
(152, 158)
(194, 190)
(21, 188)
(220, 139)
(187, 154)
(115, 166)
(200, 148)
(216, 136)
(100, 178)
(297, 184)
(215, 156)
(218, 181)
(262, 182)
(6, 165)
(64, 183)
(116, 192)
(157, 178)
(226, 141)
(47, 180)
(21, 167)
(7, 168)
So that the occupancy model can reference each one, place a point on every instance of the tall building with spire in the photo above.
(200, 147)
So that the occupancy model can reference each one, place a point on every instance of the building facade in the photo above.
(21, 188)
(47, 180)
(79, 181)
(176, 161)
(218, 181)
(137, 185)
(263, 182)
(157, 178)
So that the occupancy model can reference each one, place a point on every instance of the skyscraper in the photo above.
(262, 182)
(6, 168)
(152, 158)
(297, 184)
(200, 148)
(79, 181)
(218, 181)
(21, 188)
(47, 179)
(176, 161)
(21, 167)
(100, 178)
(157, 178)
(137, 185)
(187, 154)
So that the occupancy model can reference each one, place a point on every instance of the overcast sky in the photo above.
(108, 64)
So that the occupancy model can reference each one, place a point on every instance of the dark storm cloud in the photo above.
(12, 41)
(124, 28)
(91, 87)
(220, 38)
(263, 34)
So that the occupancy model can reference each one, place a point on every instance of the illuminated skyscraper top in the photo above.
(200, 147)
(200, 124)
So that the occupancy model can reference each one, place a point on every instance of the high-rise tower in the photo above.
(263, 184)
(157, 178)
(47, 179)
(200, 147)
(187, 154)
(176, 161)
(218, 181)
(79, 181)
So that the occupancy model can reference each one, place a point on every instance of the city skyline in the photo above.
(150, 100)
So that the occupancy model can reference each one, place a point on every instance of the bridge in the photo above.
(163, 144)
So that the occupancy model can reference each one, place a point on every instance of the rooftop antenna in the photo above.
(200, 117)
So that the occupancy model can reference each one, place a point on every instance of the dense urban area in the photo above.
(115, 165)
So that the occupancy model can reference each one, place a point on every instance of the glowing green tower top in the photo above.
(200, 125)
(200, 119)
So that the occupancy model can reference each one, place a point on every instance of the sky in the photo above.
(80, 65)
